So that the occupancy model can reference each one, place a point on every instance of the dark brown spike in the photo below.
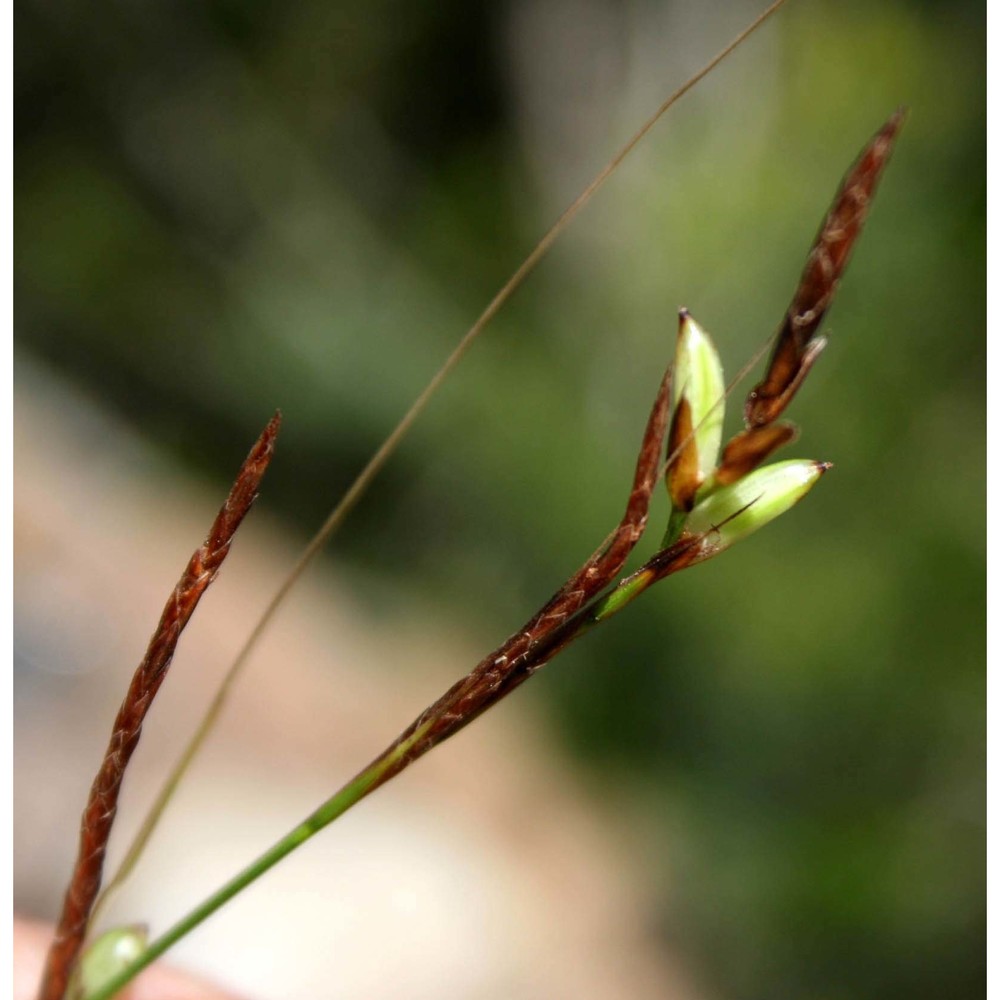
(795, 349)
(99, 814)
(598, 571)
(528, 648)
(749, 448)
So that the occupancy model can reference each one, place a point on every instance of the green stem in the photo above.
(352, 793)
(674, 527)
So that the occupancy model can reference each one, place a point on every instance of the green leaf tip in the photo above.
(733, 512)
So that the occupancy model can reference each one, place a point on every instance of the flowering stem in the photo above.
(346, 504)
(740, 499)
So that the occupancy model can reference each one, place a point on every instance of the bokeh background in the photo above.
(229, 206)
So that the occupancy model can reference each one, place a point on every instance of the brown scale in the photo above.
(749, 448)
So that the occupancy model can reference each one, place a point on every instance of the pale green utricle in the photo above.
(732, 512)
(698, 377)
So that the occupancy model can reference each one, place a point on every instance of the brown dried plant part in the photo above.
(749, 448)
(683, 475)
(531, 646)
(598, 571)
(685, 552)
(102, 804)
(797, 346)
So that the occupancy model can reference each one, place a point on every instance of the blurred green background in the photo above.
(230, 206)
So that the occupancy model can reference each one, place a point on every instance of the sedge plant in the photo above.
(717, 496)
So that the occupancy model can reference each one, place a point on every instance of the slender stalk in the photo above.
(102, 804)
(381, 456)
(335, 806)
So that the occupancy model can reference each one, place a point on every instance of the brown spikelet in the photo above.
(99, 814)
(604, 565)
(540, 638)
(797, 347)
